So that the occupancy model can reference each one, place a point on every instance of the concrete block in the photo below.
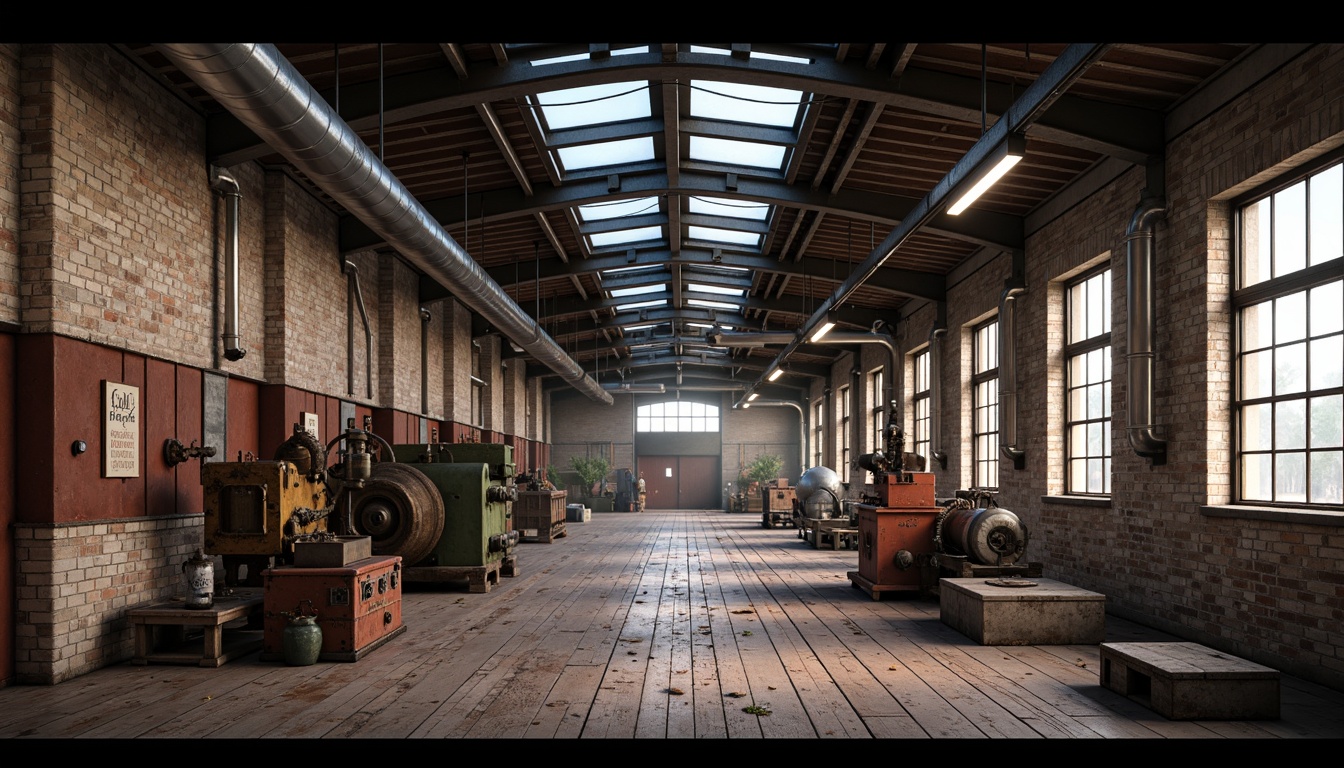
(1041, 612)
(1187, 681)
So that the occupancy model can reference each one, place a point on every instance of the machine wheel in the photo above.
(400, 510)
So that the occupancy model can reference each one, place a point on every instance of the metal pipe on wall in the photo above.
(802, 426)
(425, 317)
(1139, 297)
(266, 93)
(354, 294)
(1008, 447)
(223, 182)
(936, 394)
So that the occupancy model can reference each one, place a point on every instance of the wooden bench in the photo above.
(161, 630)
(1187, 681)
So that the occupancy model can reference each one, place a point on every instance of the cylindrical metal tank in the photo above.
(986, 536)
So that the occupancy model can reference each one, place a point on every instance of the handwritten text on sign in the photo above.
(121, 430)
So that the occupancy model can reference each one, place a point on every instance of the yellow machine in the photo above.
(255, 510)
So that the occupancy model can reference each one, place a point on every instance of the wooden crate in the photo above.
(540, 511)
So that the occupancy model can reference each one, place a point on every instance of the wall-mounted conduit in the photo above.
(224, 183)
(256, 84)
(1008, 446)
(354, 297)
(1140, 298)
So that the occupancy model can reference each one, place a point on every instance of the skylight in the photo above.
(604, 153)
(623, 236)
(716, 289)
(742, 103)
(710, 304)
(618, 208)
(582, 56)
(718, 235)
(737, 152)
(644, 305)
(738, 209)
(754, 54)
(619, 292)
(595, 104)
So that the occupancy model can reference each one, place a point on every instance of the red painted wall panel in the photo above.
(190, 499)
(244, 417)
(160, 425)
(8, 432)
(34, 399)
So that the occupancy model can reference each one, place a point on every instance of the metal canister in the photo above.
(200, 575)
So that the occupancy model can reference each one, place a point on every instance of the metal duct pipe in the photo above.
(264, 91)
(355, 297)
(652, 389)
(749, 338)
(936, 395)
(802, 425)
(425, 317)
(1008, 447)
(1139, 296)
(223, 182)
(872, 337)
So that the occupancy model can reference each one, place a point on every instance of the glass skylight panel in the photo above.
(604, 153)
(754, 54)
(618, 208)
(620, 237)
(719, 289)
(738, 209)
(582, 56)
(742, 103)
(711, 304)
(643, 305)
(707, 326)
(595, 104)
(616, 293)
(735, 152)
(723, 235)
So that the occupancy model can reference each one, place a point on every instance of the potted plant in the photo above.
(764, 469)
(592, 470)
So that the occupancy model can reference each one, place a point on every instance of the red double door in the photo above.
(681, 482)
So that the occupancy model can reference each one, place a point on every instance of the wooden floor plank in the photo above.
(592, 635)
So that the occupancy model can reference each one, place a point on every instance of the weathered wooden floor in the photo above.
(652, 626)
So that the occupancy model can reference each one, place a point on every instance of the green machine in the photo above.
(466, 488)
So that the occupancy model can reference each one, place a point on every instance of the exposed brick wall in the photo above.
(115, 244)
(399, 331)
(456, 361)
(75, 583)
(9, 183)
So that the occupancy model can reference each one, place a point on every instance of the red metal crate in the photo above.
(358, 606)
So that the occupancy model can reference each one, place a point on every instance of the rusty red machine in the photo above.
(907, 539)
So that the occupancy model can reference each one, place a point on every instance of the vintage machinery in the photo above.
(256, 510)
(905, 537)
(896, 524)
(445, 509)
(357, 605)
(820, 513)
(974, 536)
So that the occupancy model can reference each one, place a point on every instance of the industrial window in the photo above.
(819, 432)
(1088, 386)
(677, 416)
(1289, 303)
(845, 433)
(921, 404)
(985, 404)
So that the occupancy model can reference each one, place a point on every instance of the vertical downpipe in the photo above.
(936, 394)
(425, 317)
(1140, 300)
(1008, 446)
(227, 186)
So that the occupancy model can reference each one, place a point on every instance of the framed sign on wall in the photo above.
(121, 430)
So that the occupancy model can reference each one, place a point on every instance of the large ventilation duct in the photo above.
(1139, 296)
(264, 91)
(223, 182)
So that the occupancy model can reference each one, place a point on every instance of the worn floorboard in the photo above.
(660, 625)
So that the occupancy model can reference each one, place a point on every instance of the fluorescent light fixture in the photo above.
(753, 397)
(822, 330)
(1004, 157)
(777, 373)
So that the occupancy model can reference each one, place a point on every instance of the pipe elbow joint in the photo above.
(235, 354)
(1148, 445)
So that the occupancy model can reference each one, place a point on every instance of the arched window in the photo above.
(677, 416)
